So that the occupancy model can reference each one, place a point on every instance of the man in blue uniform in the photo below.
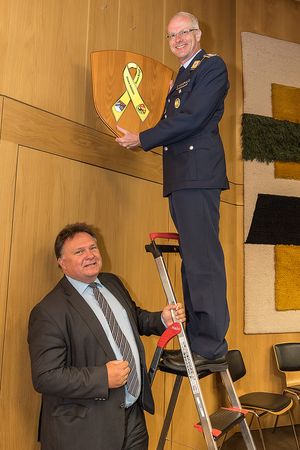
(194, 175)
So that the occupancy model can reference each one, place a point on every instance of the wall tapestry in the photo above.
(271, 153)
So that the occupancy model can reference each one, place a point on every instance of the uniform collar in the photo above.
(187, 63)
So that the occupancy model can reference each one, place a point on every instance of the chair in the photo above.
(287, 357)
(259, 403)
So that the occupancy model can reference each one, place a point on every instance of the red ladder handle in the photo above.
(155, 235)
(168, 334)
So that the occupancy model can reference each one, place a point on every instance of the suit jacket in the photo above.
(193, 154)
(69, 350)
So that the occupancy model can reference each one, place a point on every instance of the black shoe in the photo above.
(175, 359)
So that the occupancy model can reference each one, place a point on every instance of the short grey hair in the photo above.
(193, 19)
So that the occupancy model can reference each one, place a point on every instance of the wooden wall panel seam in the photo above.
(8, 261)
(35, 128)
(30, 126)
(1, 114)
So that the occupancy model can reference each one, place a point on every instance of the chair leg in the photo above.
(254, 413)
(294, 430)
(260, 432)
(275, 424)
(252, 417)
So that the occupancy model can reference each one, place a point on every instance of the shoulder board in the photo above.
(197, 62)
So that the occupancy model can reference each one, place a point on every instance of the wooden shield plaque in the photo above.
(129, 89)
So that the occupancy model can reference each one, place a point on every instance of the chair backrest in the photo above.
(236, 364)
(287, 356)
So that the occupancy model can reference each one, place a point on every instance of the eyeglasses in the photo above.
(181, 34)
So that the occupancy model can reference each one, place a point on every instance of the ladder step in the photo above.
(223, 420)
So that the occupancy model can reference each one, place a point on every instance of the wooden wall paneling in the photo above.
(104, 21)
(36, 128)
(103, 25)
(43, 54)
(233, 243)
(229, 239)
(281, 19)
(8, 157)
(141, 28)
(1, 108)
(52, 191)
(274, 18)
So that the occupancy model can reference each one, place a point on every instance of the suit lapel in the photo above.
(88, 316)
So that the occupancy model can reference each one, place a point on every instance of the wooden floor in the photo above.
(282, 439)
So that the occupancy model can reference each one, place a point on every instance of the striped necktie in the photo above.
(120, 339)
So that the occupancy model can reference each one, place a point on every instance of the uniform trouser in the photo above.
(195, 213)
(136, 435)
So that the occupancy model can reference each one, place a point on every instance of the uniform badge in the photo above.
(119, 106)
(182, 85)
(177, 103)
(141, 108)
(195, 64)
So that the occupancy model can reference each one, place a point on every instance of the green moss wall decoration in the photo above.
(267, 140)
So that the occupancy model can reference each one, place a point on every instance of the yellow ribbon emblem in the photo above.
(131, 94)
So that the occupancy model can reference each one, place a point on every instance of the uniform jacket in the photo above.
(193, 154)
(69, 350)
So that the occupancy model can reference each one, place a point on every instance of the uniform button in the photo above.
(179, 92)
(191, 147)
(169, 100)
(122, 405)
(166, 116)
(165, 149)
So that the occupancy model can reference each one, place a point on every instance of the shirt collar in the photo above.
(80, 286)
(188, 62)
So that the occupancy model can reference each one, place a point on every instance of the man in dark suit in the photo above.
(75, 353)
(194, 175)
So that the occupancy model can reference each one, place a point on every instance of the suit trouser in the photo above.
(195, 213)
(136, 434)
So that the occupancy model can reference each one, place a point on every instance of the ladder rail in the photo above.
(188, 359)
(235, 402)
(190, 365)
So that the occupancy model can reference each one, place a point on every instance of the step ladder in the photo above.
(219, 423)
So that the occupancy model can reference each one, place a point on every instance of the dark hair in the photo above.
(68, 232)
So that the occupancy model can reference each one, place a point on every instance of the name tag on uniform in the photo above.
(182, 85)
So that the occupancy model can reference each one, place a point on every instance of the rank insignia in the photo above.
(195, 64)
(177, 103)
